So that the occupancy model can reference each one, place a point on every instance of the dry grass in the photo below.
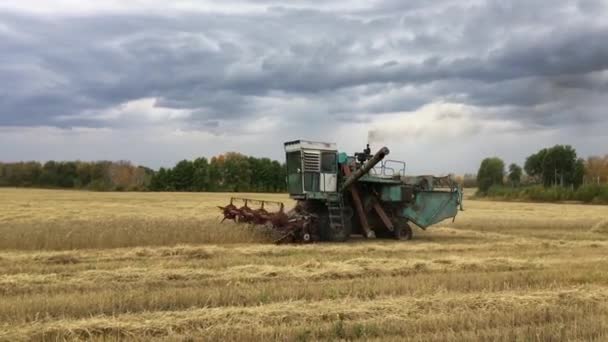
(107, 266)
(65, 220)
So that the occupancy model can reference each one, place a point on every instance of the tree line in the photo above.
(554, 173)
(226, 172)
(555, 166)
(549, 167)
(231, 172)
(98, 175)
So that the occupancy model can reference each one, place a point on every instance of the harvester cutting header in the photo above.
(338, 195)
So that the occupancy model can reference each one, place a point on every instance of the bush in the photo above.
(490, 173)
(602, 196)
(587, 193)
(597, 194)
(98, 185)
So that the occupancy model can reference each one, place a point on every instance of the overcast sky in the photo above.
(442, 83)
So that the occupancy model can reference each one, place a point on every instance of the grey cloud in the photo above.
(342, 63)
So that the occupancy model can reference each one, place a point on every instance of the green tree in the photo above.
(67, 174)
(237, 172)
(84, 173)
(257, 174)
(49, 176)
(556, 166)
(100, 176)
(21, 174)
(491, 172)
(216, 173)
(515, 173)
(263, 174)
(279, 176)
(534, 165)
(183, 175)
(200, 177)
(160, 180)
(559, 166)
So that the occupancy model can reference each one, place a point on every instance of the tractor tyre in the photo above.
(403, 231)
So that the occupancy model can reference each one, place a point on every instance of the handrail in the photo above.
(382, 169)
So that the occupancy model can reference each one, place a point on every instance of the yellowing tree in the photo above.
(596, 169)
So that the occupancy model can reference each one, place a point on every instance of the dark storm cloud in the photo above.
(534, 62)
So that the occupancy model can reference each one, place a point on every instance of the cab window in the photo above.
(294, 162)
(328, 162)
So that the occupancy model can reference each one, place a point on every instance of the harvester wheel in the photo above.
(403, 231)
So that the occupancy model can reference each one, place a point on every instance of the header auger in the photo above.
(338, 195)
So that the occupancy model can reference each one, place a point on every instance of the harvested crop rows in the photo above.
(95, 266)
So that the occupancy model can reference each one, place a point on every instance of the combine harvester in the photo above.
(339, 195)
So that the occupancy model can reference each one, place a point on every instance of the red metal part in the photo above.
(230, 212)
(295, 227)
(383, 216)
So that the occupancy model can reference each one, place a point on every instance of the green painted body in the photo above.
(431, 207)
(391, 193)
(422, 207)
(418, 199)
(428, 207)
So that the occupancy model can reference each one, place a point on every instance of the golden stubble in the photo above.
(139, 266)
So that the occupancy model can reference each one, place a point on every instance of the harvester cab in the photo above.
(312, 169)
(340, 195)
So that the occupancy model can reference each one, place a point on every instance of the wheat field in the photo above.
(158, 266)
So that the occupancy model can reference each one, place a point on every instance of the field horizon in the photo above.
(78, 265)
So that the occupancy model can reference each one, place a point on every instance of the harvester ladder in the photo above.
(335, 210)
